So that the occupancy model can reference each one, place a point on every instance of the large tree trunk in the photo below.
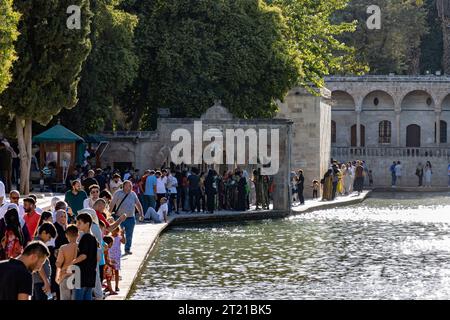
(443, 8)
(23, 127)
(446, 45)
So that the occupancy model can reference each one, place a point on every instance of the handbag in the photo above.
(114, 210)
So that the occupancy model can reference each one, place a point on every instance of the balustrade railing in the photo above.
(352, 152)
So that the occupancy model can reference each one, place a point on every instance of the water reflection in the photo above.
(393, 246)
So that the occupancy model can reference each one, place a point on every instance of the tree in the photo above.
(8, 35)
(111, 66)
(432, 46)
(443, 9)
(313, 34)
(194, 52)
(396, 46)
(46, 75)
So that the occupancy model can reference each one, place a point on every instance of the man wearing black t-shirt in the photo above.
(89, 181)
(16, 282)
(86, 259)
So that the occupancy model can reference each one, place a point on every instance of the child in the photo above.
(46, 216)
(108, 269)
(66, 254)
(115, 253)
(370, 178)
(41, 280)
(315, 187)
(87, 258)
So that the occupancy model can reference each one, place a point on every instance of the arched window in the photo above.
(333, 131)
(384, 132)
(443, 132)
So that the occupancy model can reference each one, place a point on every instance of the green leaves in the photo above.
(8, 35)
(111, 66)
(46, 75)
(194, 52)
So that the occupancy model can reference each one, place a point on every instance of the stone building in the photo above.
(152, 149)
(401, 118)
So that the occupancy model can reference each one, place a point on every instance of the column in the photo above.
(397, 127)
(358, 128)
(438, 128)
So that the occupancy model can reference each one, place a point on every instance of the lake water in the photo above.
(391, 246)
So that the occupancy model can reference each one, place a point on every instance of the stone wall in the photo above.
(153, 149)
(381, 174)
(311, 136)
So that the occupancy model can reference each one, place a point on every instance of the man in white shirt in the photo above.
(161, 181)
(14, 197)
(94, 194)
(161, 215)
(172, 184)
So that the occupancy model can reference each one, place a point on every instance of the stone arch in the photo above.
(342, 100)
(378, 100)
(445, 104)
(418, 100)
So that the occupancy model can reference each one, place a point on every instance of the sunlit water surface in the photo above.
(392, 246)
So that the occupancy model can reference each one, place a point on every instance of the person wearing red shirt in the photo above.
(31, 217)
(99, 207)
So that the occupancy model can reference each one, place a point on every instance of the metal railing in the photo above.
(352, 152)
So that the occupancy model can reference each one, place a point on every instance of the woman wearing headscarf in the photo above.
(427, 174)
(327, 182)
(241, 192)
(12, 237)
(348, 179)
(247, 189)
(61, 226)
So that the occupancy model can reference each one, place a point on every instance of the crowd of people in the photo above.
(42, 248)
(85, 230)
(340, 179)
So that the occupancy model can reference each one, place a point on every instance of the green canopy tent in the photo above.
(59, 145)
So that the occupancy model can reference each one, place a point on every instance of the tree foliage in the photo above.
(194, 52)
(8, 35)
(111, 66)
(313, 35)
(396, 46)
(46, 75)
